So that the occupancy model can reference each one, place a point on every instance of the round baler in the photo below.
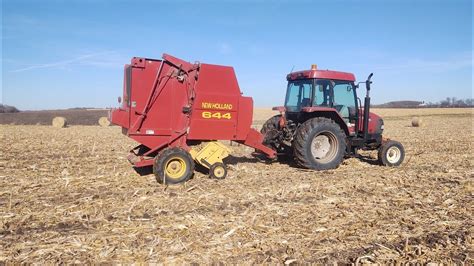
(177, 111)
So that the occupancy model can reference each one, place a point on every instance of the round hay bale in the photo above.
(416, 122)
(59, 122)
(104, 122)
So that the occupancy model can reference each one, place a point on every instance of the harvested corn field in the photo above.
(70, 195)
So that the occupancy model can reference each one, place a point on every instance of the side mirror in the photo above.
(119, 99)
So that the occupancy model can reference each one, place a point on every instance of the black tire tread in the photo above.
(160, 160)
(211, 171)
(384, 148)
(301, 141)
(271, 123)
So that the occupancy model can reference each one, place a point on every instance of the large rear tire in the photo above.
(173, 166)
(319, 144)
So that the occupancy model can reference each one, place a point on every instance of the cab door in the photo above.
(344, 100)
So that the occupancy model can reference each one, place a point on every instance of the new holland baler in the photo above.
(178, 110)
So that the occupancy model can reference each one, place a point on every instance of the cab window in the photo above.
(298, 94)
(344, 99)
(322, 93)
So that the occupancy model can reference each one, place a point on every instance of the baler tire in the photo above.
(308, 132)
(163, 169)
(218, 171)
(391, 153)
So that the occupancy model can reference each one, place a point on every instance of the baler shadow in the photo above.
(233, 160)
(261, 158)
(142, 171)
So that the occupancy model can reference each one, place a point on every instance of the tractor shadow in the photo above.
(367, 159)
(288, 160)
(260, 158)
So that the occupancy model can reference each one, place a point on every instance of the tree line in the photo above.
(452, 102)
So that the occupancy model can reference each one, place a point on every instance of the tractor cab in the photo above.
(322, 92)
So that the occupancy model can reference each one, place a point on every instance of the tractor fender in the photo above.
(328, 113)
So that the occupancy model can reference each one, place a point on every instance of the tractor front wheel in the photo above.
(391, 153)
(319, 144)
(173, 166)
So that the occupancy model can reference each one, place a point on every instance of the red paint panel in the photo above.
(280, 109)
(151, 141)
(321, 74)
(119, 117)
(212, 128)
(373, 121)
(254, 139)
(245, 117)
(165, 111)
(214, 79)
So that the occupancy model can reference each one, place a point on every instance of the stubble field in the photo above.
(70, 195)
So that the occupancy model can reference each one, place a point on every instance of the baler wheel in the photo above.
(173, 166)
(218, 171)
(319, 144)
(391, 153)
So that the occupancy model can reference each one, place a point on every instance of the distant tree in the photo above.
(445, 103)
(459, 103)
(8, 109)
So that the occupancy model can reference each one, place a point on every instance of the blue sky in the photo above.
(62, 54)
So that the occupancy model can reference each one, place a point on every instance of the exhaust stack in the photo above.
(367, 107)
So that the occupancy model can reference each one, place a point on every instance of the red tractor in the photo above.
(178, 110)
(322, 122)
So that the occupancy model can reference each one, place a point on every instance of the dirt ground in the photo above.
(70, 195)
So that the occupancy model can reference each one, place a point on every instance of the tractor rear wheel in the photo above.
(319, 144)
(391, 153)
(173, 166)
